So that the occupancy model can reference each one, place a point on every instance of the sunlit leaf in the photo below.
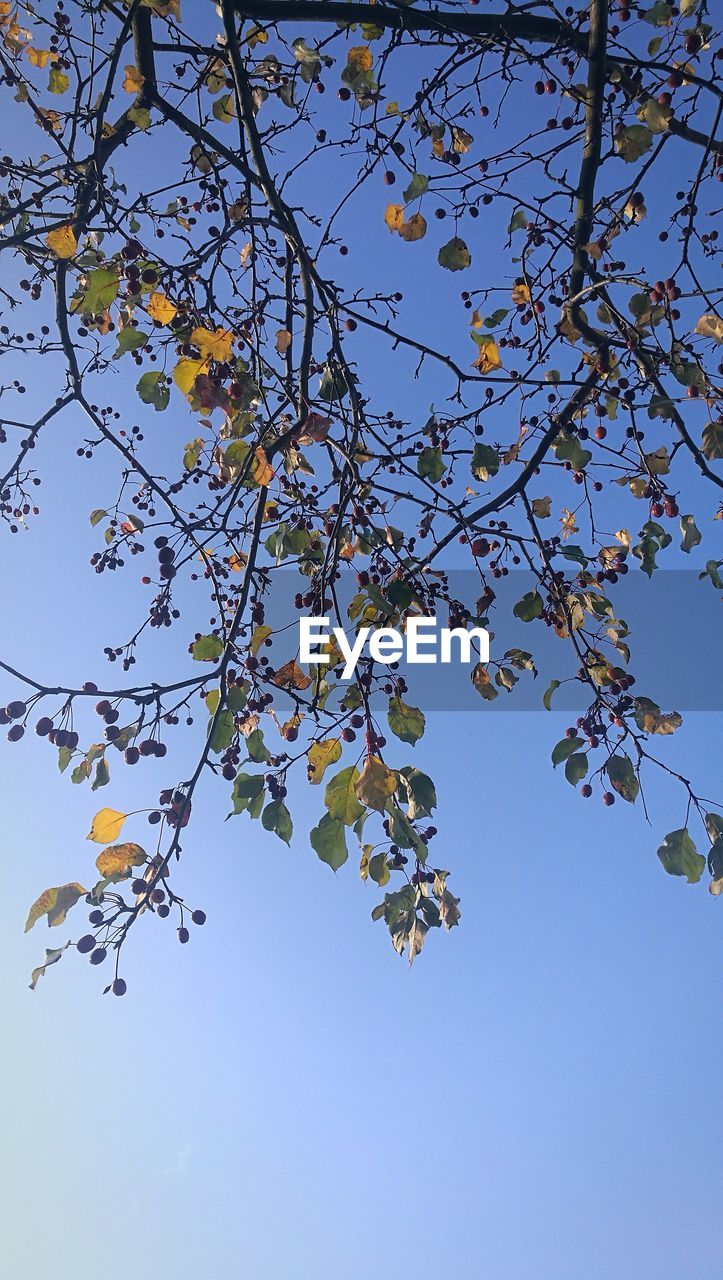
(62, 242)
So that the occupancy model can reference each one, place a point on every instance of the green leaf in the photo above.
(277, 818)
(547, 696)
(405, 722)
(58, 82)
(378, 869)
(431, 464)
(712, 444)
(691, 534)
(529, 607)
(622, 777)
(102, 774)
(417, 187)
(632, 142)
(421, 793)
(328, 840)
(100, 291)
(576, 768)
(680, 857)
(223, 732)
(455, 255)
(153, 389)
(485, 462)
(129, 339)
(247, 789)
(256, 747)
(564, 748)
(517, 222)
(568, 449)
(140, 116)
(97, 515)
(712, 571)
(207, 648)
(340, 796)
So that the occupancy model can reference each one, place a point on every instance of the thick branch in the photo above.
(493, 26)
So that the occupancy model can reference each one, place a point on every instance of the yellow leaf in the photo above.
(360, 58)
(262, 471)
(54, 903)
(106, 826)
(283, 341)
(567, 520)
(237, 561)
(488, 358)
(375, 784)
(161, 308)
(414, 229)
(461, 140)
(260, 634)
(62, 241)
(186, 372)
(133, 80)
(541, 507)
(38, 57)
(256, 36)
(118, 859)
(394, 216)
(320, 756)
(520, 293)
(214, 344)
(710, 326)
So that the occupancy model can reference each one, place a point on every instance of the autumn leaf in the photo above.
(520, 293)
(133, 80)
(710, 326)
(213, 344)
(106, 826)
(567, 520)
(117, 860)
(262, 471)
(290, 676)
(260, 634)
(320, 756)
(414, 229)
(186, 372)
(541, 507)
(375, 784)
(283, 341)
(62, 242)
(488, 358)
(360, 58)
(161, 308)
(55, 904)
(394, 216)
(38, 57)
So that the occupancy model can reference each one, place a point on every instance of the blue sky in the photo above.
(284, 1097)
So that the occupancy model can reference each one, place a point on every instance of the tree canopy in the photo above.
(213, 220)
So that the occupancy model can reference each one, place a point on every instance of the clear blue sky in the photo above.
(283, 1098)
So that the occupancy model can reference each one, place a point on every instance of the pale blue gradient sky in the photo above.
(283, 1099)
